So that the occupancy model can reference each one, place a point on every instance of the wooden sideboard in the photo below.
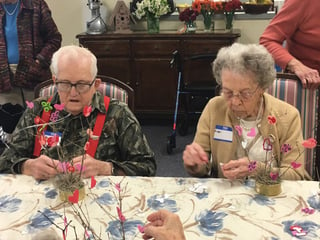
(141, 60)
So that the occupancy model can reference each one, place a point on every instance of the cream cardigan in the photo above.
(287, 129)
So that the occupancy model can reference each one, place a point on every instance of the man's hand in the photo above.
(194, 158)
(92, 166)
(164, 225)
(41, 168)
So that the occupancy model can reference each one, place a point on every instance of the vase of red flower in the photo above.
(229, 8)
(229, 20)
(191, 27)
(207, 22)
(207, 9)
(189, 16)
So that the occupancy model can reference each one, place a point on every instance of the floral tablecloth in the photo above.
(208, 208)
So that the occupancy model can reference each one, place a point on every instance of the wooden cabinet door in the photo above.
(113, 56)
(119, 68)
(155, 81)
(198, 55)
(152, 89)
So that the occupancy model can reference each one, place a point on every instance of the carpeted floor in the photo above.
(168, 165)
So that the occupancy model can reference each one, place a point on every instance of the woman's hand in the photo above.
(308, 76)
(194, 158)
(236, 169)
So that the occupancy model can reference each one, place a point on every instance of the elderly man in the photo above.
(122, 148)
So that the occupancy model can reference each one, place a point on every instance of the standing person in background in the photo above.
(300, 28)
(29, 37)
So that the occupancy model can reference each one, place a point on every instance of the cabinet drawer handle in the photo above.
(107, 49)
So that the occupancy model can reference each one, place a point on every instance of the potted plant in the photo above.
(68, 180)
(229, 9)
(188, 16)
(152, 10)
(268, 177)
(207, 8)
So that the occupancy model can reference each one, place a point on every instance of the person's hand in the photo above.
(164, 225)
(41, 168)
(308, 76)
(236, 169)
(194, 158)
(92, 167)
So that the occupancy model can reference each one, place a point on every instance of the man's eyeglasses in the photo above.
(244, 95)
(81, 87)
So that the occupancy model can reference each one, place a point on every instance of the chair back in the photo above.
(288, 88)
(109, 86)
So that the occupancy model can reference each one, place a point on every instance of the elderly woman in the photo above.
(245, 128)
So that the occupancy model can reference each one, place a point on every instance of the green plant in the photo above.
(156, 8)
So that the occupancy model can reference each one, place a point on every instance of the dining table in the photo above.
(117, 207)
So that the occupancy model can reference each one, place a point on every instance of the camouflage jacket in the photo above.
(122, 141)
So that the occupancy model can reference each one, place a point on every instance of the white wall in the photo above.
(71, 17)
(251, 30)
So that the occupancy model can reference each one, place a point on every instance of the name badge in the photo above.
(223, 133)
(52, 138)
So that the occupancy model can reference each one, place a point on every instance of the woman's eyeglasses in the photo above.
(244, 95)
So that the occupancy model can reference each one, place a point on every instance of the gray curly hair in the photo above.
(244, 58)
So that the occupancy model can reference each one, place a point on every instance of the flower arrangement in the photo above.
(156, 8)
(269, 174)
(188, 15)
(229, 8)
(48, 140)
(207, 8)
(232, 6)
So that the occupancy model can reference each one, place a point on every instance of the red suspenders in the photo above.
(93, 144)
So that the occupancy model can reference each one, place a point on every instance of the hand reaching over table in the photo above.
(164, 225)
